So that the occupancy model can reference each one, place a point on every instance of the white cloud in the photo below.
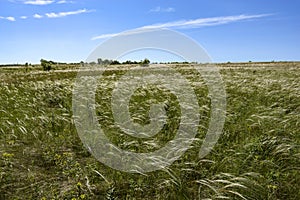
(159, 9)
(41, 2)
(38, 2)
(64, 1)
(130, 32)
(50, 15)
(213, 21)
(37, 16)
(64, 14)
(103, 36)
(188, 24)
(12, 19)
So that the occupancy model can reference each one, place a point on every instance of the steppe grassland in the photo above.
(257, 156)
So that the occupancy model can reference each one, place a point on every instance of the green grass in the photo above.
(256, 157)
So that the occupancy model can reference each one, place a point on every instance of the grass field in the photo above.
(256, 157)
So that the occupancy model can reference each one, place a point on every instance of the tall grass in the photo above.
(257, 156)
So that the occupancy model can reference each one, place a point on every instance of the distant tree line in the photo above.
(100, 61)
(48, 65)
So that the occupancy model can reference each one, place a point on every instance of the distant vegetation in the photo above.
(146, 61)
(54, 65)
(46, 65)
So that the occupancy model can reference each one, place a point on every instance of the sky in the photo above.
(69, 30)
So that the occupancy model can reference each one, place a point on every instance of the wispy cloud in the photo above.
(103, 36)
(213, 21)
(189, 24)
(38, 2)
(160, 9)
(41, 2)
(50, 15)
(12, 19)
(64, 2)
(64, 14)
(37, 16)
(130, 32)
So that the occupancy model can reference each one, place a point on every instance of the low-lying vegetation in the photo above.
(256, 157)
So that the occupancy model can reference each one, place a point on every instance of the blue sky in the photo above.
(69, 30)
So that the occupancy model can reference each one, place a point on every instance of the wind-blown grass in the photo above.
(256, 157)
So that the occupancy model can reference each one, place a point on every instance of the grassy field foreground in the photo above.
(256, 157)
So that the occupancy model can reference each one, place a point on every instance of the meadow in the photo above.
(256, 157)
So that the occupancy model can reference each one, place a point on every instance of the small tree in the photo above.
(46, 65)
(115, 62)
(99, 61)
(145, 62)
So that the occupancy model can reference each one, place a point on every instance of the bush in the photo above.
(46, 65)
(145, 62)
